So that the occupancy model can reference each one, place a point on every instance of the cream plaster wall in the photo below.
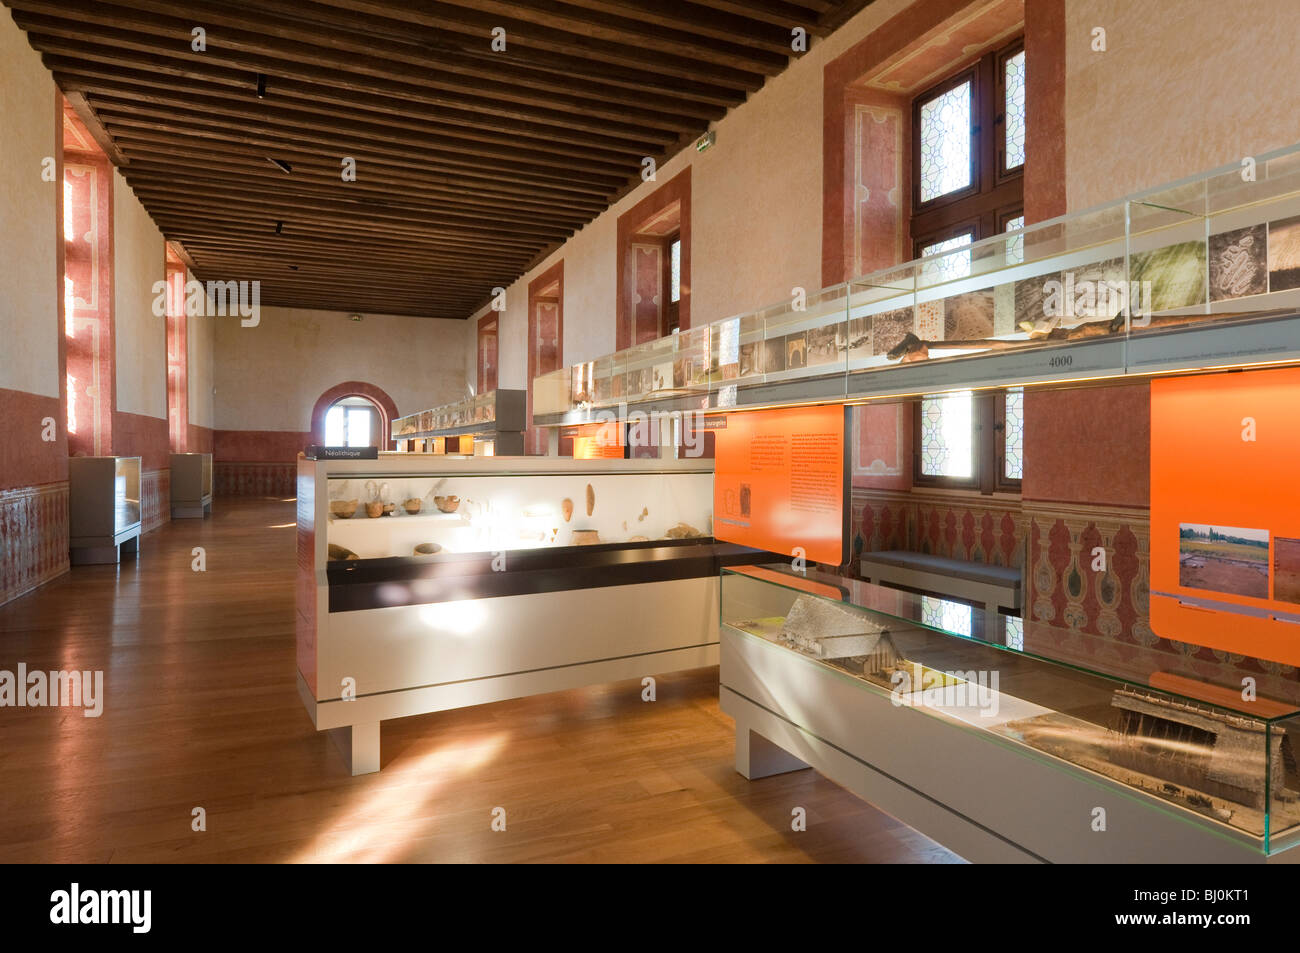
(756, 217)
(269, 377)
(1183, 86)
(140, 336)
(29, 322)
(200, 340)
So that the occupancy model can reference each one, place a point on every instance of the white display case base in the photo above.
(124, 545)
(980, 795)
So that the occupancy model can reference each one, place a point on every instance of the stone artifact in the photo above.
(683, 531)
(566, 507)
(340, 552)
(591, 499)
(645, 511)
(427, 549)
(585, 537)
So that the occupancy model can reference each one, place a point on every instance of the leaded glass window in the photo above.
(1014, 83)
(945, 142)
(675, 271)
(1013, 459)
(947, 428)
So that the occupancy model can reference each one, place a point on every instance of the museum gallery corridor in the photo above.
(201, 711)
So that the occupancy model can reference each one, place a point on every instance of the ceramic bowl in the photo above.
(343, 509)
(374, 510)
(413, 506)
(428, 549)
(585, 537)
(448, 504)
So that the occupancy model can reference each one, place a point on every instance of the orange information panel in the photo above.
(1225, 518)
(779, 481)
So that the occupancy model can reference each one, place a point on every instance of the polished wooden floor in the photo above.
(201, 710)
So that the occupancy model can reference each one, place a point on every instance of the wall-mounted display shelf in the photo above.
(495, 420)
(1202, 273)
(438, 582)
(1003, 738)
(103, 508)
(191, 479)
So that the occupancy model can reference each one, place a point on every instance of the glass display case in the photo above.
(434, 582)
(191, 485)
(494, 421)
(428, 515)
(1220, 755)
(1195, 274)
(103, 508)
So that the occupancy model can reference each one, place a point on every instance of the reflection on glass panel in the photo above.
(945, 142)
(1016, 243)
(949, 267)
(675, 272)
(1015, 111)
(954, 617)
(334, 427)
(1015, 633)
(946, 429)
(358, 427)
(1014, 459)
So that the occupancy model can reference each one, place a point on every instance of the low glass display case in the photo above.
(103, 508)
(1222, 756)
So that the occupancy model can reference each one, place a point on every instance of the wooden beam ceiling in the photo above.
(471, 163)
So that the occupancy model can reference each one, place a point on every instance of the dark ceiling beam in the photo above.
(53, 35)
(181, 75)
(537, 68)
(96, 128)
(359, 143)
(701, 20)
(128, 131)
(611, 27)
(172, 154)
(208, 99)
(182, 183)
(478, 26)
(258, 54)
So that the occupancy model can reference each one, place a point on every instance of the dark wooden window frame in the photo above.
(995, 194)
(988, 443)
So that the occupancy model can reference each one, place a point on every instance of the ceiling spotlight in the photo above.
(279, 228)
(261, 85)
(280, 164)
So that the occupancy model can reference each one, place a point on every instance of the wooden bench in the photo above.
(992, 586)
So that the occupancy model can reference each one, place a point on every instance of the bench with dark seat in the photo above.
(992, 586)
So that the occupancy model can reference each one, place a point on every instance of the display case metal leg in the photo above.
(365, 748)
(359, 745)
(756, 757)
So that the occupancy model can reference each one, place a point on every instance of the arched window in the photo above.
(353, 422)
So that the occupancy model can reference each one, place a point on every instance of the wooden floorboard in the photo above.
(201, 710)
